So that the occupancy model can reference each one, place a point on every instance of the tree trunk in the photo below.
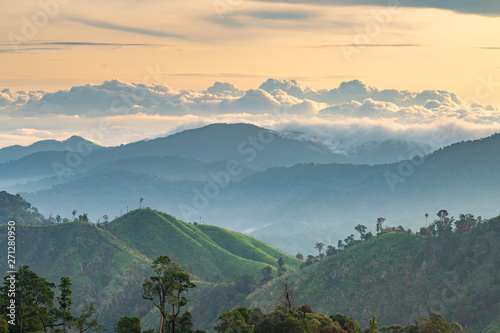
(173, 318)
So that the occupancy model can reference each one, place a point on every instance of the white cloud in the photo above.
(345, 117)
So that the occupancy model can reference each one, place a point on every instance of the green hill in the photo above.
(101, 269)
(400, 277)
(202, 249)
(109, 266)
(15, 208)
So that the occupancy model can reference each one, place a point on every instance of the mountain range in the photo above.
(285, 190)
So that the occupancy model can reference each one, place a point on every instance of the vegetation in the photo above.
(403, 278)
(15, 208)
(34, 308)
(304, 320)
(449, 267)
(212, 250)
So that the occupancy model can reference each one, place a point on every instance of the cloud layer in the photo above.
(344, 117)
(483, 7)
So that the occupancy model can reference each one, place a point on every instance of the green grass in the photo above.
(202, 249)
(101, 269)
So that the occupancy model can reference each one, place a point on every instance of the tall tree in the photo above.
(319, 246)
(380, 221)
(361, 229)
(286, 296)
(166, 286)
(65, 302)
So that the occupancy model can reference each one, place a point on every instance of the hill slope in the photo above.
(205, 250)
(109, 266)
(101, 269)
(400, 278)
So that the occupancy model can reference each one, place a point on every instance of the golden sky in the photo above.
(194, 43)
(187, 45)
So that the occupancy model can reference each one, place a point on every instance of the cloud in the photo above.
(225, 89)
(12, 50)
(344, 118)
(116, 27)
(280, 15)
(369, 45)
(484, 7)
(356, 90)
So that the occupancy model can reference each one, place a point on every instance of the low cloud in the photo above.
(343, 118)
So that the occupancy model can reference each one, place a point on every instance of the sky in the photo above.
(342, 71)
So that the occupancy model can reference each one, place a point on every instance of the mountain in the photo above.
(306, 202)
(252, 145)
(248, 145)
(109, 266)
(399, 277)
(74, 143)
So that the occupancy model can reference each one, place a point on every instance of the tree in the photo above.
(166, 286)
(83, 218)
(367, 236)
(140, 202)
(34, 298)
(65, 302)
(58, 218)
(361, 229)
(128, 325)
(43, 300)
(380, 221)
(267, 272)
(330, 251)
(4, 326)
(105, 218)
(340, 245)
(281, 266)
(299, 256)
(286, 296)
(234, 321)
(349, 241)
(373, 325)
(74, 214)
(319, 246)
(85, 322)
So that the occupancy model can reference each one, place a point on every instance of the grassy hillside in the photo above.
(108, 266)
(15, 208)
(101, 269)
(203, 250)
(400, 278)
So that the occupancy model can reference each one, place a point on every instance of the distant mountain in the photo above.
(246, 144)
(308, 202)
(171, 168)
(400, 277)
(254, 146)
(74, 143)
(109, 266)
